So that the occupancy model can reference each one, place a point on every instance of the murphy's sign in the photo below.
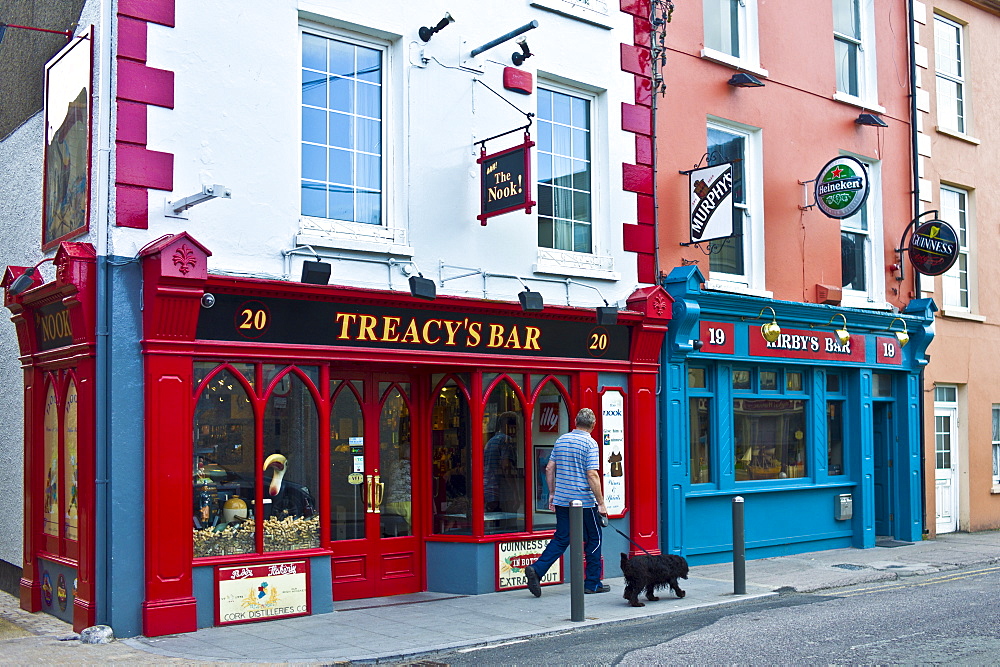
(933, 248)
(842, 187)
(505, 181)
(341, 325)
(711, 196)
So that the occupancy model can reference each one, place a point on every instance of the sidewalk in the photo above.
(397, 628)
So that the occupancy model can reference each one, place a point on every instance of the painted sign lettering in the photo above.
(711, 196)
(817, 344)
(842, 187)
(505, 181)
(52, 326)
(933, 248)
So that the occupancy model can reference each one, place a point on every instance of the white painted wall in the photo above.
(236, 122)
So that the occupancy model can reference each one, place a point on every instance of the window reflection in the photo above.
(394, 457)
(503, 461)
(701, 461)
(770, 438)
(551, 419)
(347, 444)
(451, 438)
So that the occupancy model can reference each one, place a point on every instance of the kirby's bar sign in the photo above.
(261, 319)
(815, 344)
(505, 180)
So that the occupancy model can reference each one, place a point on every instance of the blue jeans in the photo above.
(591, 546)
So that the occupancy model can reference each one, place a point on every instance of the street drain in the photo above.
(849, 566)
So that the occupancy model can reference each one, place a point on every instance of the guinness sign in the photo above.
(933, 248)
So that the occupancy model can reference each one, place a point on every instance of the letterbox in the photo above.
(843, 506)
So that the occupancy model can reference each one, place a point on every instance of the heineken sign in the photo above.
(842, 187)
(933, 248)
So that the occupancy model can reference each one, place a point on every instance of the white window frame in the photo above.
(389, 237)
(996, 448)
(960, 121)
(874, 296)
(598, 263)
(747, 37)
(752, 281)
(958, 278)
(867, 96)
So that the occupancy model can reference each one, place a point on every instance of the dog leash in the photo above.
(631, 540)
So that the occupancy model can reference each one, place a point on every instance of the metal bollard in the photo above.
(739, 549)
(576, 560)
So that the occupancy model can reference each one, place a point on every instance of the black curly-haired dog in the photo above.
(650, 573)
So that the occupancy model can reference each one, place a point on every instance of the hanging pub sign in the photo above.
(842, 187)
(933, 247)
(505, 180)
(711, 196)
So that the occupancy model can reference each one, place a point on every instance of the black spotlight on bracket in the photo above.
(422, 288)
(744, 80)
(315, 273)
(26, 279)
(427, 33)
(519, 58)
(530, 301)
(607, 315)
(870, 119)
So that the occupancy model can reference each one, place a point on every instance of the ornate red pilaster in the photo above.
(174, 274)
(642, 494)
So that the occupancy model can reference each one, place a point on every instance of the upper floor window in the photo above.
(740, 260)
(565, 175)
(731, 31)
(955, 281)
(342, 133)
(861, 245)
(949, 66)
(854, 48)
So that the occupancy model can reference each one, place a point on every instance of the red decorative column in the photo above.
(174, 273)
(643, 498)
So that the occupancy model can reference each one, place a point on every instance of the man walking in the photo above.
(573, 473)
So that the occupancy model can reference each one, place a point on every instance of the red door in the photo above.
(376, 551)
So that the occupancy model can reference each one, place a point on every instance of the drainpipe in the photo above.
(911, 31)
(102, 520)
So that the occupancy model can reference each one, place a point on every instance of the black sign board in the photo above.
(52, 326)
(933, 248)
(303, 322)
(505, 179)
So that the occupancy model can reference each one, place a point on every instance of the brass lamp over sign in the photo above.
(902, 336)
(843, 335)
(770, 330)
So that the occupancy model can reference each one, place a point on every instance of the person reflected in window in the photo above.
(500, 461)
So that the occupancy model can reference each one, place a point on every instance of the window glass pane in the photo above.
(451, 442)
(394, 457)
(741, 379)
(768, 380)
(846, 18)
(793, 381)
(696, 378)
(701, 460)
(50, 447)
(947, 47)
(835, 437)
(564, 172)
(223, 486)
(503, 461)
(846, 54)
(724, 146)
(945, 394)
(770, 438)
(348, 83)
(722, 26)
(71, 517)
(291, 467)
(942, 441)
(882, 385)
(551, 420)
(852, 261)
(833, 383)
(347, 442)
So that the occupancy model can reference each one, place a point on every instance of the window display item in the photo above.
(234, 509)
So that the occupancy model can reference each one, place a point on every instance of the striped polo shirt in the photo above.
(574, 454)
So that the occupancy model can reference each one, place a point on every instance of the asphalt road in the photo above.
(948, 618)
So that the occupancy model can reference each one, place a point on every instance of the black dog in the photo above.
(650, 573)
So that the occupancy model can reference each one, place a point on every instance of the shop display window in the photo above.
(835, 437)
(551, 419)
(50, 446)
(451, 442)
(503, 460)
(701, 460)
(395, 455)
(71, 515)
(770, 438)
(60, 511)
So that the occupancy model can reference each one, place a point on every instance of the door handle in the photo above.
(379, 493)
(369, 494)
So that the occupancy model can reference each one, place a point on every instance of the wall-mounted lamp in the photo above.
(208, 192)
(531, 302)
(315, 273)
(519, 58)
(607, 315)
(427, 33)
(25, 280)
(843, 335)
(769, 330)
(422, 288)
(870, 119)
(745, 80)
(902, 336)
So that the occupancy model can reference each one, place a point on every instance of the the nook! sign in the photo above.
(933, 248)
(841, 187)
(506, 181)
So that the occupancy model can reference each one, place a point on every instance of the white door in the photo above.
(946, 467)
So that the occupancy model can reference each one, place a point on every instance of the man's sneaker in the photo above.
(534, 585)
(604, 588)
